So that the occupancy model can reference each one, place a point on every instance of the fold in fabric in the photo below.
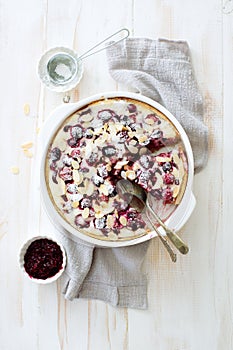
(162, 70)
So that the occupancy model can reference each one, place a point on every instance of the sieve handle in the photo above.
(99, 47)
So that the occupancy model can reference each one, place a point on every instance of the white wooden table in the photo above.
(190, 303)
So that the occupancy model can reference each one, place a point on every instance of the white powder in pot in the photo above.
(63, 71)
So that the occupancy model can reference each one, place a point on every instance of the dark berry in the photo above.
(72, 188)
(100, 223)
(168, 179)
(143, 179)
(145, 161)
(106, 114)
(132, 108)
(67, 160)
(84, 170)
(168, 195)
(65, 174)
(55, 154)
(123, 136)
(92, 159)
(97, 180)
(85, 203)
(167, 167)
(81, 222)
(75, 153)
(86, 111)
(72, 142)
(76, 132)
(154, 117)
(125, 120)
(66, 128)
(102, 171)
(109, 151)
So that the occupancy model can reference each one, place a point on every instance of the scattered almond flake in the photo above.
(98, 131)
(86, 118)
(149, 121)
(85, 213)
(168, 130)
(112, 236)
(143, 150)
(61, 185)
(120, 164)
(89, 148)
(26, 109)
(176, 190)
(97, 208)
(27, 153)
(176, 173)
(27, 145)
(163, 159)
(136, 166)
(75, 164)
(99, 215)
(103, 189)
(159, 181)
(78, 177)
(142, 138)
(75, 204)
(112, 129)
(130, 174)
(132, 149)
(110, 221)
(90, 188)
(123, 220)
(139, 131)
(176, 157)
(108, 167)
(15, 170)
(101, 140)
(182, 188)
(119, 127)
(131, 134)
(133, 142)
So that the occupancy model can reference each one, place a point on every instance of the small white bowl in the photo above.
(22, 253)
(46, 78)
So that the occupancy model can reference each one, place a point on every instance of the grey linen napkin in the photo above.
(161, 70)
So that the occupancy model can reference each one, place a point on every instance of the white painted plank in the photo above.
(190, 304)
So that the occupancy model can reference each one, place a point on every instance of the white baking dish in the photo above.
(57, 117)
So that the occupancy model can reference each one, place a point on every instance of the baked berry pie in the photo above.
(102, 143)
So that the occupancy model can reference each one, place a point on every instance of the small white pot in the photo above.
(22, 253)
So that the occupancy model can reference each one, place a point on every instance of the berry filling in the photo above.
(43, 259)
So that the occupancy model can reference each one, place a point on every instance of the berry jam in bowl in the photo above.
(42, 259)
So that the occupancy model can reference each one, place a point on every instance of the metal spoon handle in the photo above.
(100, 46)
(176, 240)
(164, 241)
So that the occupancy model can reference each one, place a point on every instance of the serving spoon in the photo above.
(125, 190)
(137, 198)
